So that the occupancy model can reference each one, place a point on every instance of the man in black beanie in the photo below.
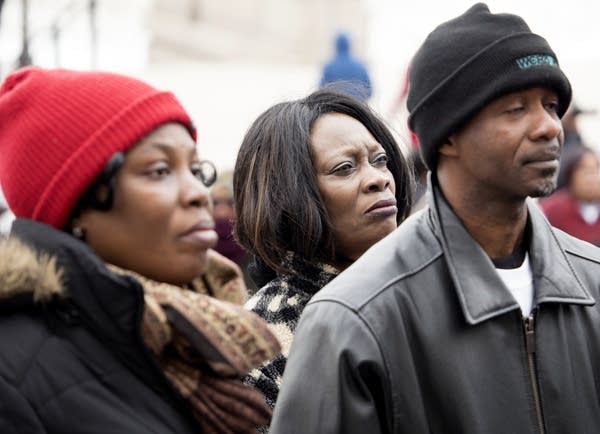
(475, 315)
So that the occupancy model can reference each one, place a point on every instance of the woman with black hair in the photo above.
(115, 314)
(317, 182)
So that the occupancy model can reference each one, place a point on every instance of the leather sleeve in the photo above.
(335, 380)
(16, 414)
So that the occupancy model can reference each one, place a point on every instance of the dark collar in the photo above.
(480, 289)
(307, 276)
(111, 304)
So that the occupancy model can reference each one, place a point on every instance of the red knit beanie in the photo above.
(58, 128)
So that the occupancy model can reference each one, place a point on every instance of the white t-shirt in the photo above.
(520, 283)
(589, 212)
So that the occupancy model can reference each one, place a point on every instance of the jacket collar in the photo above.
(480, 289)
(110, 303)
(307, 276)
(27, 278)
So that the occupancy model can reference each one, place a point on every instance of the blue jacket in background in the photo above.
(344, 68)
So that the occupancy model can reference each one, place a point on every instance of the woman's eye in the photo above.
(159, 171)
(342, 169)
(381, 160)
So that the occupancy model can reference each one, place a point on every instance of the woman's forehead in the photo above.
(169, 138)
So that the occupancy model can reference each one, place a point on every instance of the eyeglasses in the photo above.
(206, 172)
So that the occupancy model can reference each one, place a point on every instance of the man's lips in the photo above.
(545, 161)
(544, 155)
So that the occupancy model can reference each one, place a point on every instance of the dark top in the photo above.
(77, 364)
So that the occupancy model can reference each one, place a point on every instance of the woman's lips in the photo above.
(383, 208)
(202, 234)
(204, 237)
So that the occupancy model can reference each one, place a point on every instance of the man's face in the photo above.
(511, 148)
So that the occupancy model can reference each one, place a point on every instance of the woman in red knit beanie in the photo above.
(115, 314)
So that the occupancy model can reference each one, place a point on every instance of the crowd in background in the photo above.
(196, 291)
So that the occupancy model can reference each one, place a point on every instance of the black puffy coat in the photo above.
(72, 359)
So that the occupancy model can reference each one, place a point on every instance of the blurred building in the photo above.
(226, 60)
(280, 31)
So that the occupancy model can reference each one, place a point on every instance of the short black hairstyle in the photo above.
(278, 205)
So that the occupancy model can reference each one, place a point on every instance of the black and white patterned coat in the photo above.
(281, 302)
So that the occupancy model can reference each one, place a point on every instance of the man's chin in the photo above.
(544, 189)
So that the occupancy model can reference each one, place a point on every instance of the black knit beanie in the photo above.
(466, 63)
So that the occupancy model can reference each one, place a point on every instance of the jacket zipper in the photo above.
(529, 325)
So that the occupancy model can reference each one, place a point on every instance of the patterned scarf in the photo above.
(204, 341)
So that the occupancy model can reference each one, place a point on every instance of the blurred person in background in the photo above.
(349, 74)
(116, 315)
(573, 138)
(3, 213)
(399, 109)
(317, 182)
(6, 216)
(420, 174)
(571, 127)
(475, 315)
(575, 208)
(224, 215)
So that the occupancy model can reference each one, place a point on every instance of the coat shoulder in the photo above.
(578, 248)
(406, 252)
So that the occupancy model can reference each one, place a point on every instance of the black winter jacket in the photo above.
(420, 335)
(76, 364)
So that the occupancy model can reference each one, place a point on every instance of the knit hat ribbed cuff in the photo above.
(59, 127)
(469, 61)
(118, 134)
(503, 67)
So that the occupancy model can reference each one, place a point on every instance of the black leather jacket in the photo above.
(420, 335)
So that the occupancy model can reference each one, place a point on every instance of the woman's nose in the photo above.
(377, 179)
(194, 192)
